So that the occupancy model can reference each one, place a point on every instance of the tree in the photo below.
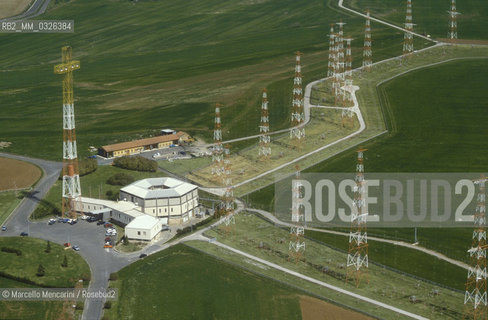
(40, 271)
(126, 241)
(65, 262)
(48, 247)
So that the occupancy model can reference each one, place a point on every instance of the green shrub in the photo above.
(40, 271)
(12, 250)
(120, 179)
(108, 305)
(114, 276)
(87, 166)
(136, 163)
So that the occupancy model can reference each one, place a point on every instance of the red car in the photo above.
(108, 225)
(67, 244)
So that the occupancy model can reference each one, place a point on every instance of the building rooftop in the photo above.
(142, 142)
(122, 206)
(143, 222)
(156, 188)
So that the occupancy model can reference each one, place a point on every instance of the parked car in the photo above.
(51, 222)
(142, 255)
(108, 225)
(91, 219)
(4, 228)
(83, 217)
(72, 222)
(24, 234)
(67, 244)
(100, 222)
(76, 248)
(60, 220)
(66, 220)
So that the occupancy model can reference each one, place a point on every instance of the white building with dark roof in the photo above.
(163, 198)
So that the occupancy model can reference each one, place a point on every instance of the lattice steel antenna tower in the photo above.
(357, 257)
(296, 247)
(408, 36)
(348, 73)
(475, 297)
(228, 216)
(367, 51)
(452, 34)
(218, 150)
(340, 65)
(264, 138)
(332, 54)
(71, 177)
(297, 115)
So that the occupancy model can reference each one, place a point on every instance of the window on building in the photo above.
(154, 210)
(144, 232)
(171, 209)
(138, 233)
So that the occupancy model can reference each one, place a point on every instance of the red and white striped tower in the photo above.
(296, 247)
(332, 55)
(71, 177)
(452, 34)
(408, 36)
(228, 216)
(297, 116)
(367, 51)
(218, 150)
(357, 257)
(264, 138)
(475, 296)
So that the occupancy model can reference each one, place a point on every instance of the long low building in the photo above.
(141, 145)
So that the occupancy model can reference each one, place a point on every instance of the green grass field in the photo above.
(8, 201)
(218, 290)
(28, 309)
(436, 114)
(431, 17)
(25, 266)
(264, 240)
(165, 64)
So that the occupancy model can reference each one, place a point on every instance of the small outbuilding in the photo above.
(143, 227)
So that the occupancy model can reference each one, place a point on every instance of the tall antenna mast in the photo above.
(218, 150)
(357, 257)
(264, 138)
(367, 51)
(297, 116)
(452, 34)
(340, 65)
(296, 247)
(228, 216)
(348, 73)
(71, 176)
(332, 55)
(408, 36)
(475, 297)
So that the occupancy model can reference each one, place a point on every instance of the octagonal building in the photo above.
(163, 198)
